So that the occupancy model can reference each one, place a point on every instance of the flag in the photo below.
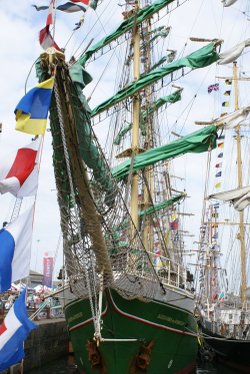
(220, 145)
(215, 236)
(174, 224)
(68, 7)
(41, 7)
(228, 82)
(86, 2)
(19, 171)
(227, 93)
(79, 24)
(220, 155)
(219, 165)
(213, 87)
(13, 332)
(32, 110)
(71, 8)
(46, 40)
(218, 174)
(218, 185)
(50, 17)
(15, 249)
(225, 103)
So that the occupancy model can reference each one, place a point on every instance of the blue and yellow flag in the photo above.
(32, 110)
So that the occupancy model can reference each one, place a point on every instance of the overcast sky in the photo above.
(19, 48)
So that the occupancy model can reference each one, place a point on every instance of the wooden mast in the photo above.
(136, 122)
(241, 234)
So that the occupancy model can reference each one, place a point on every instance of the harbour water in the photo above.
(67, 365)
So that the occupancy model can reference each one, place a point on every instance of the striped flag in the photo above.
(19, 171)
(15, 248)
(13, 332)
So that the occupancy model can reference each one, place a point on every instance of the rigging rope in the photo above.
(60, 116)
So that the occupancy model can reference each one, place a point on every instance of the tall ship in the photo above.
(223, 275)
(129, 302)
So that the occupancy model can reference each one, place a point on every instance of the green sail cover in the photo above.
(125, 26)
(197, 142)
(173, 98)
(203, 57)
(162, 205)
(176, 96)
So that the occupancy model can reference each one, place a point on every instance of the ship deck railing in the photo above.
(240, 331)
(169, 272)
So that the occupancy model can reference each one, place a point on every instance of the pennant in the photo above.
(220, 145)
(71, 8)
(19, 171)
(50, 17)
(215, 215)
(15, 249)
(220, 155)
(174, 224)
(79, 24)
(225, 103)
(219, 165)
(218, 185)
(228, 82)
(41, 7)
(13, 332)
(32, 110)
(216, 205)
(213, 87)
(217, 175)
(227, 93)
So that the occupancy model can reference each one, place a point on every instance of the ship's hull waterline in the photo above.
(233, 353)
(166, 336)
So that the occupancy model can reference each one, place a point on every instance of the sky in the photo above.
(20, 25)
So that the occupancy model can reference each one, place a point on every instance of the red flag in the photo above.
(50, 13)
(19, 171)
(46, 40)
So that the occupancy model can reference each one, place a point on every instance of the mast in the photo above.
(136, 122)
(241, 234)
(149, 185)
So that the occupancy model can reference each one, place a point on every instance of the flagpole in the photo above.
(54, 18)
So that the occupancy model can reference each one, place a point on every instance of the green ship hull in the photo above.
(162, 336)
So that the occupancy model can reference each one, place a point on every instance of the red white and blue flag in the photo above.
(13, 332)
(15, 249)
(19, 171)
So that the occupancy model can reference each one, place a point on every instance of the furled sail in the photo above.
(201, 58)
(233, 53)
(125, 26)
(197, 142)
(227, 3)
(164, 204)
(229, 121)
(240, 197)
